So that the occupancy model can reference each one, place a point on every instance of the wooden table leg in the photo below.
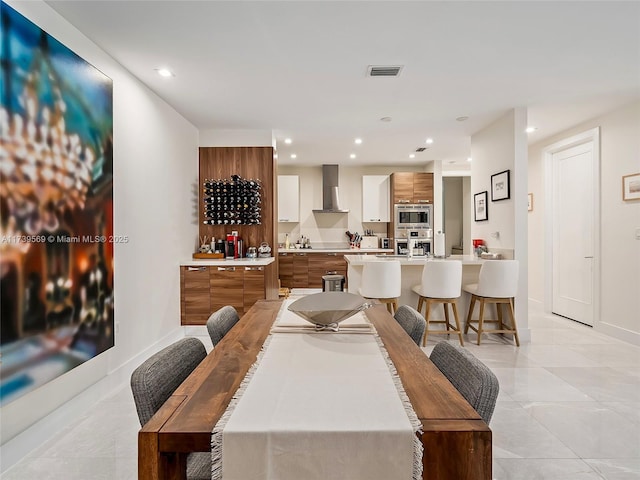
(152, 463)
(456, 449)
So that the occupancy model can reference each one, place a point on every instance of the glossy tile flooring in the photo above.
(569, 408)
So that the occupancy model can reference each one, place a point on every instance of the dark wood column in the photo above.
(249, 163)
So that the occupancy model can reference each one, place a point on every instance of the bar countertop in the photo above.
(219, 262)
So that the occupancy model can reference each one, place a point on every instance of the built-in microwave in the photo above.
(412, 216)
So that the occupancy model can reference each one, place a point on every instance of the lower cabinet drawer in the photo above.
(227, 288)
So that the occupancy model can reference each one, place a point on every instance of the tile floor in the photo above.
(569, 408)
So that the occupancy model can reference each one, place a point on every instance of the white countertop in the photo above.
(335, 250)
(239, 262)
(356, 260)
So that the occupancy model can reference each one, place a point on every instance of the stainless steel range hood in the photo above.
(330, 197)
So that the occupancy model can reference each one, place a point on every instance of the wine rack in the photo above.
(234, 201)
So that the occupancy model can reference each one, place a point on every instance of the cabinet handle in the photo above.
(283, 220)
(423, 201)
(283, 254)
(403, 201)
(301, 254)
(254, 268)
(374, 219)
(332, 254)
(196, 269)
(332, 272)
(228, 269)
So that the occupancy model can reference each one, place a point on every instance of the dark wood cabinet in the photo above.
(300, 270)
(253, 286)
(321, 264)
(402, 187)
(412, 187)
(205, 289)
(195, 302)
(227, 287)
(306, 269)
(422, 187)
(285, 269)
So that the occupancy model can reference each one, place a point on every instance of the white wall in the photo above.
(155, 169)
(502, 146)
(492, 152)
(328, 229)
(235, 138)
(620, 251)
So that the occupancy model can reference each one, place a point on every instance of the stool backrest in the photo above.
(442, 279)
(498, 279)
(153, 382)
(381, 279)
(220, 322)
(412, 321)
(472, 378)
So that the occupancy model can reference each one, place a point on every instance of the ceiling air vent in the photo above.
(421, 149)
(384, 70)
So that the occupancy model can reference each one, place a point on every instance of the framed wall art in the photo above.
(631, 187)
(500, 189)
(56, 194)
(481, 211)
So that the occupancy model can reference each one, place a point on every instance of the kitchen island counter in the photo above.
(405, 260)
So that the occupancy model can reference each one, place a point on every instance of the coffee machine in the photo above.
(234, 246)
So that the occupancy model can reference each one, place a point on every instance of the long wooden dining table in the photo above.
(457, 442)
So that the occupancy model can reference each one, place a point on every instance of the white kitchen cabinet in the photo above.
(288, 198)
(375, 198)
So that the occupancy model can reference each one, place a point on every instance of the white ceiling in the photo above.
(299, 68)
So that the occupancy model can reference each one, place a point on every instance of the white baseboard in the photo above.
(618, 332)
(80, 405)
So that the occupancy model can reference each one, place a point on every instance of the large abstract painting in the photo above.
(56, 208)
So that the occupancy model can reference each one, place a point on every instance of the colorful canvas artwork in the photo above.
(56, 208)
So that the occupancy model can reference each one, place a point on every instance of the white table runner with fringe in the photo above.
(319, 406)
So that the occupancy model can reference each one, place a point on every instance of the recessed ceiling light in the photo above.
(358, 141)
(461, 119)
(530, 129)
(469, 159)
(353, 155)
(293, 155)
(385, 119)
(429, 141)
(412, 155)
(287, 141)
(165, 72)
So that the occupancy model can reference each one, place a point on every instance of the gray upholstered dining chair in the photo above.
(412, 321)
(220, 322)
(155, 380)
(472, 378)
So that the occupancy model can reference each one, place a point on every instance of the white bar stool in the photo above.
(441, 283)
(498, 284)
(381, 280)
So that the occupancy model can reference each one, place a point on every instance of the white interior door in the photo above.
(574, 206)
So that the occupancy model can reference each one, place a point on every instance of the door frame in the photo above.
(592, 135)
